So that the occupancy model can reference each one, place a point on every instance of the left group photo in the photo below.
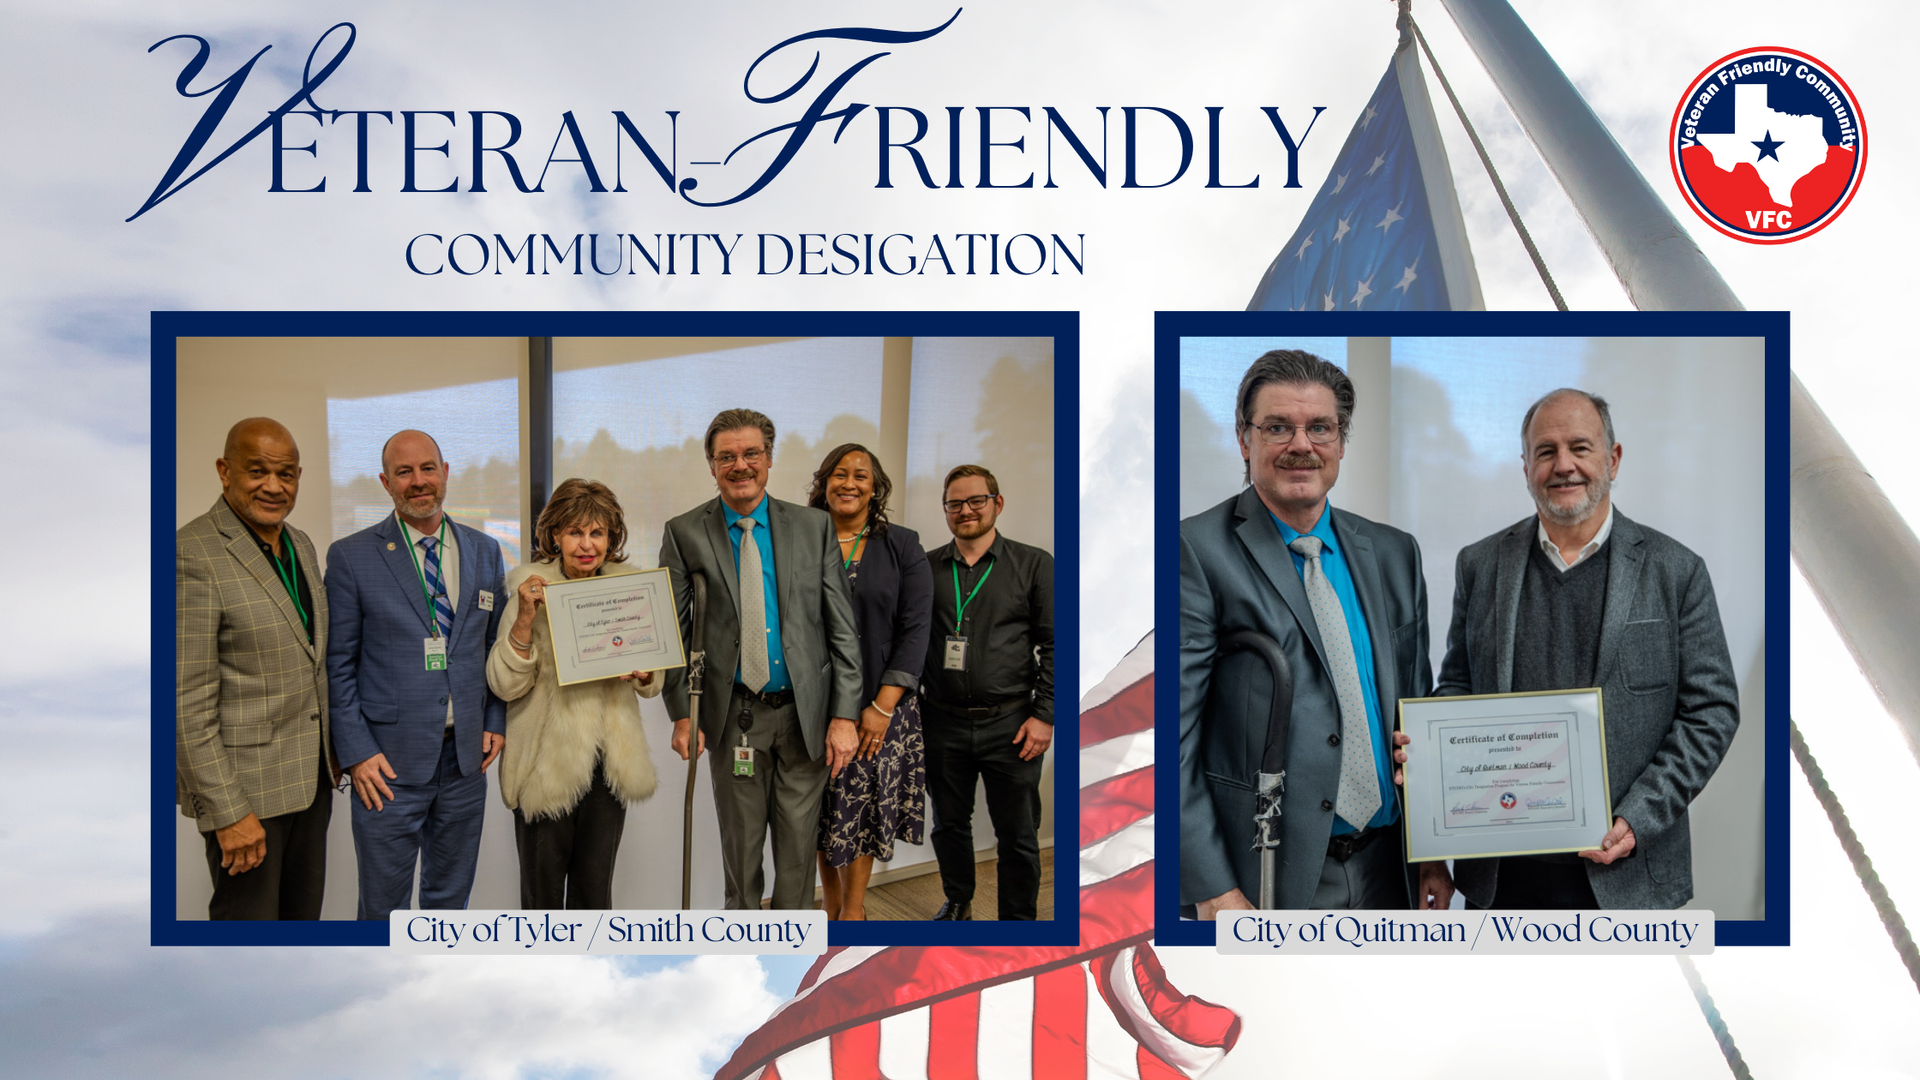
(626, 621)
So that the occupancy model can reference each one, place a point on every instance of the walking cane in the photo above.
(696, 677)
(1273, 760)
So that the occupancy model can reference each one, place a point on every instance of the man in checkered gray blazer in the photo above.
(254, 765)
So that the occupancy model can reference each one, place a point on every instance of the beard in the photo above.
(1597, 489)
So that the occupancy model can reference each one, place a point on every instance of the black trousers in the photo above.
(288, 884)
(961, 754)
(1537, 882)
(567, 862)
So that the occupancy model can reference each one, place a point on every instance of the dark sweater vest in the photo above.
(1556, 640)
(1556, 636)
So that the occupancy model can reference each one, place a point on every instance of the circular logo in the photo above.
(1768, 145)
(1507, 801)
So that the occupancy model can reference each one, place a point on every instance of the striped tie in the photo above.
(1359, 795)
(442, 607)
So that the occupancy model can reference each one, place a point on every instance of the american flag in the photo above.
(1385, 231)
(1102, 1008)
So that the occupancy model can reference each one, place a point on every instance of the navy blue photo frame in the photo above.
(1062, 327)
(1171, 327)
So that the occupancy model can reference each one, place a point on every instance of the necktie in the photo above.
(1359, 796)
(754, 668)
(442, 608)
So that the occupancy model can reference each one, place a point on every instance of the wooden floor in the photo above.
(919, 897)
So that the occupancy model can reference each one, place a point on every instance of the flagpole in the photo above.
(1856, 551)
(1861, 559)
(1658, 263)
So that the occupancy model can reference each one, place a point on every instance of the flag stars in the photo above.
(1340, 181)
(1301, 255)
(1365, 290)
(1377, 162)
(1769, 146)
(1343, 228)
(1408, 277)
(1393, 215)
(1326, 301)
(1368, 118)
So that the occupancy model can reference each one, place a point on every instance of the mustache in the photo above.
(740, 474)
(1297, 461)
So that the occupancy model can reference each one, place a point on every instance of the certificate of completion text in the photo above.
(1507, 773)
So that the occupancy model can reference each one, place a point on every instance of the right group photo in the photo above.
(1470, 621)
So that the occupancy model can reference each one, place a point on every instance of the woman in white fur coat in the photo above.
(575, 755)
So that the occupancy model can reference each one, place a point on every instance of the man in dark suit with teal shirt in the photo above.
(1346, 601)
(782, 682)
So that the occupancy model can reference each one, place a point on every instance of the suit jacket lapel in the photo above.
(464, 604)
(1624, 559)
(397, 552)
(310, 568)
(1365, 569)
(246, 549)
(1510, 568)
(1262, 539)
(723, 553)
(785, 542)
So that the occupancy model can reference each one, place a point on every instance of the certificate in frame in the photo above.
(613, 624)
(1505, 774)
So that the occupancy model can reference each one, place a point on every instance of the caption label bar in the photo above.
(784, 933)
(1505, 933)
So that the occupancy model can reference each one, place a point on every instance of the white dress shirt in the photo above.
(1593, 545)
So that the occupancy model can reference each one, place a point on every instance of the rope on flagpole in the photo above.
(1857, 854)
(1712, 1012)
(1512, 213)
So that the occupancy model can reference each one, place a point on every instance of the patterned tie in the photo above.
(1359, 797)
(754, 668)
(442, 608)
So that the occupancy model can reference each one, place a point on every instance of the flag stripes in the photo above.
(1098, 1010)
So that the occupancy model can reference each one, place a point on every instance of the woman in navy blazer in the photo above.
(881, 796)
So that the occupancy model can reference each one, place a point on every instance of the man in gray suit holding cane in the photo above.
(1344, 599)
(1580, 595)
(782, 661)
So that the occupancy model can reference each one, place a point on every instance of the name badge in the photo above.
(436, 653)
(743, 761)
(956, 653)
(486, 600)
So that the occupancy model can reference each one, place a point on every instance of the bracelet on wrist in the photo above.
(523, 646)
(881, 711)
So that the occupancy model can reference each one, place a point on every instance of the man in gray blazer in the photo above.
(1579, 595)
(783, 657)
(1345, 600)
(254, 766)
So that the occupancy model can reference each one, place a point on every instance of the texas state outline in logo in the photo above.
(1768, 145)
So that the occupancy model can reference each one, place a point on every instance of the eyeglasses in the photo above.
(977, 503)
(729, 459)
(1280, 432)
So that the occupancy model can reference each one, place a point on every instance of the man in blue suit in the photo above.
(415, 606)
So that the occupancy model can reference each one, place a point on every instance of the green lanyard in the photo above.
(289, 576)
(960, 606)
(859, 539)
(433, 618)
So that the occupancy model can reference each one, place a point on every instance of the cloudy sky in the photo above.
(96, 120)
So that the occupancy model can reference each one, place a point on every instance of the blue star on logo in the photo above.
(1768, 146)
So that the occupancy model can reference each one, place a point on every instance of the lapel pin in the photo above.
(390, 545)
